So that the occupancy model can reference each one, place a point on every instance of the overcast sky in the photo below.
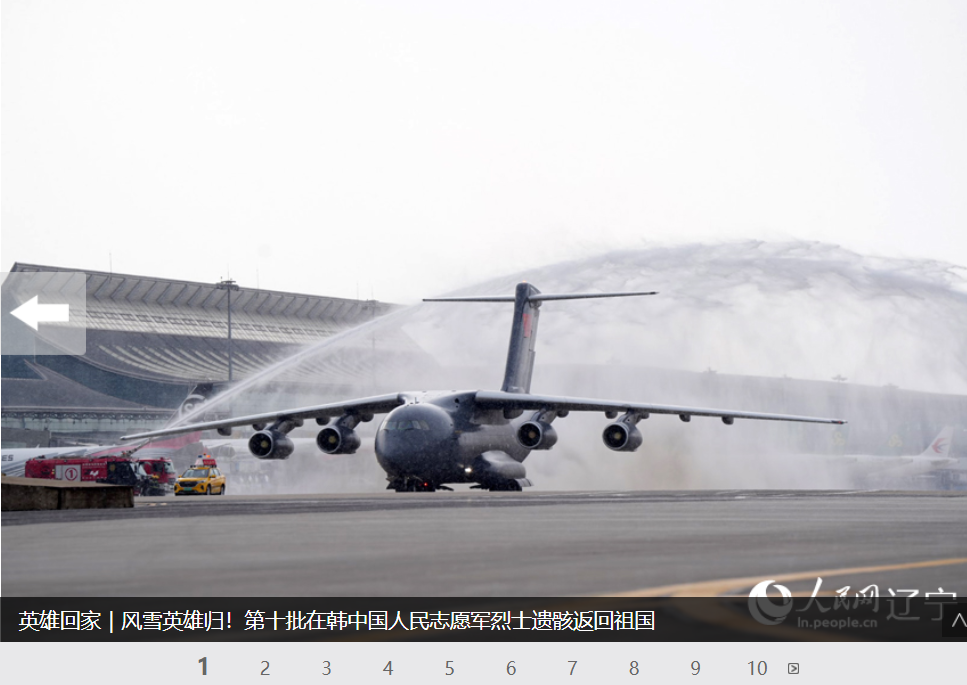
(404, 149)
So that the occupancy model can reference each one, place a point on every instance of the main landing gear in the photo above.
(509, 485)
(494, 485)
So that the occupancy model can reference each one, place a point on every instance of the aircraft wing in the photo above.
(508, 400)
(365, 405)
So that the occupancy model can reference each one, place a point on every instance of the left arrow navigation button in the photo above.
(33, 313)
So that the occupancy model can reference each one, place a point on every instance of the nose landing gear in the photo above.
(415, 485)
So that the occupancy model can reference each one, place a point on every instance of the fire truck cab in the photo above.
(162, 476)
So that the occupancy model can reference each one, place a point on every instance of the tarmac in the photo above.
(483, 544)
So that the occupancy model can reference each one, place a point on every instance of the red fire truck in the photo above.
(114, 470)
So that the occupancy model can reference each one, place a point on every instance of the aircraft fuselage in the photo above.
(444, 439)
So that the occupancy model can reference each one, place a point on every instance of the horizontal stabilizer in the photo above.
(542, 297)
(537, 297)
(523, 334)
(495, 298)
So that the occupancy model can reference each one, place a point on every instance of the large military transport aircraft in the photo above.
(429, 439)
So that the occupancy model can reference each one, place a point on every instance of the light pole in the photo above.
(228, 285)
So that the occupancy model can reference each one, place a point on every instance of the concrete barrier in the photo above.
(30, 494)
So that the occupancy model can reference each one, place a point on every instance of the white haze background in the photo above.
(400, 150)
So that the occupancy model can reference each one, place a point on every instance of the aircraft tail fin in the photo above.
(523, 337)
(939, 447)
(201, 393)
(523, 334)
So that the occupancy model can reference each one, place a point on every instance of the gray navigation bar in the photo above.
(44, 313)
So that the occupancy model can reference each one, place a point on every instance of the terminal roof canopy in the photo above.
(126, 302)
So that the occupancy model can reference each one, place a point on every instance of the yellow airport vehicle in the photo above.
(201, 480)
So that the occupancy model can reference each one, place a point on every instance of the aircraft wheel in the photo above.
(507, 486)
(208, 490)
(222, 491)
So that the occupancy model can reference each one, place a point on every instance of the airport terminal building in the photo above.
(149, 342)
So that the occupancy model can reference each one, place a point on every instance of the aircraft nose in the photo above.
(413, 443)
(392, 449)
(407, 452)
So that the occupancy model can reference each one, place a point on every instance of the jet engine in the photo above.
(622, 437)
(338, 439)
(270, 444)
(537, 435)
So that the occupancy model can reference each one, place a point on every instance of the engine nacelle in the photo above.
(270, 444)
(622, 437)
(537, 435)
(338, 440)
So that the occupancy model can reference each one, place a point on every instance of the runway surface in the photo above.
(492, 544)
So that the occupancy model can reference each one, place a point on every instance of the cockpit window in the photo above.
(414, 425)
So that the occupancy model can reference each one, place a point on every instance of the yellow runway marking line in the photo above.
(722, 586)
